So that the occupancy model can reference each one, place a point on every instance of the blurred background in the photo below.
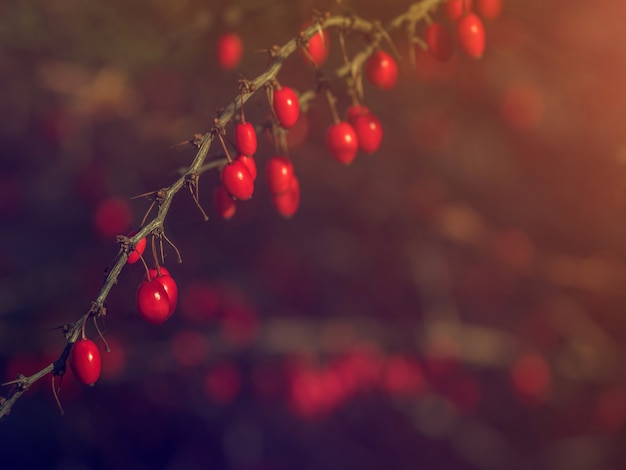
(455, 300)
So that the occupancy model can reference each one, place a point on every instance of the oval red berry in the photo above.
(286, 106)
(245, 139)
(439, 41)
(369, 131)
(153, 304)
(225, 204)
(316, 47)
(279, 173)
(455, 9)
(249, 163)
(470, 33)
(341, 142)
(489, 9)
(140, 247)
(381, 69)
(85, 361)
(237, 180)
(168, 283)
(287, 203)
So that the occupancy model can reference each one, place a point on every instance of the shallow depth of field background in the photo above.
(454, 301)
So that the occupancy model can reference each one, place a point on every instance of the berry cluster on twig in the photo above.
(360, 130)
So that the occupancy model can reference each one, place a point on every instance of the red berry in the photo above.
(249, 163)
(356, 110)
(286, 106)
(225, 204)
(85, 361)
(245, 138)
(140, 247)
(470, 33)
(113, 216)
(456, 8)
(229, 51)
(489, 9)
(287, 203)
(381, 69)
(153, 303)
(168, 283)
(237, 180)
(439, 41)
(341, 142)
(317, 47)
(279, 173)
(369, 130)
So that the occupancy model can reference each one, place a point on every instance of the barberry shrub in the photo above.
(366, 59)
(360, 305)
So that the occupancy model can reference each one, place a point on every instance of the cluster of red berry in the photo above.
(157, 298)
(465, 16)
(360, 130)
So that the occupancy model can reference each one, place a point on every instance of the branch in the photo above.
(372, 30)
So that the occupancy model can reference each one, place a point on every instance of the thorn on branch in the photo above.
(217, 130)
(157, 199)
(21, 382)
(197, 140)
(274, 51)
(246, 86)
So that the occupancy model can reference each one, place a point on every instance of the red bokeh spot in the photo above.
(298, 132)
(314, 393)
(433, 130)
(11, 195)
(402, 376)
(189, 347)
(442, 358)
(464, 393)
(530, 376)
(489, 9)
(25, 364)
(429, 69)
(229, 50)
(113, 217)
(522, 106)
(611, 409)
(268, 380)
(514, 248)
(58, 125)
(200, 302)
(360, 368)
(91, 184)
(222, 383)
(240, 324)
(114, 361)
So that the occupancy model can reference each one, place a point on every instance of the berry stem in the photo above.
(331, 104)
(56, 395)
(145, 265)
(228, 157)
(104, 341)
(156, 258)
